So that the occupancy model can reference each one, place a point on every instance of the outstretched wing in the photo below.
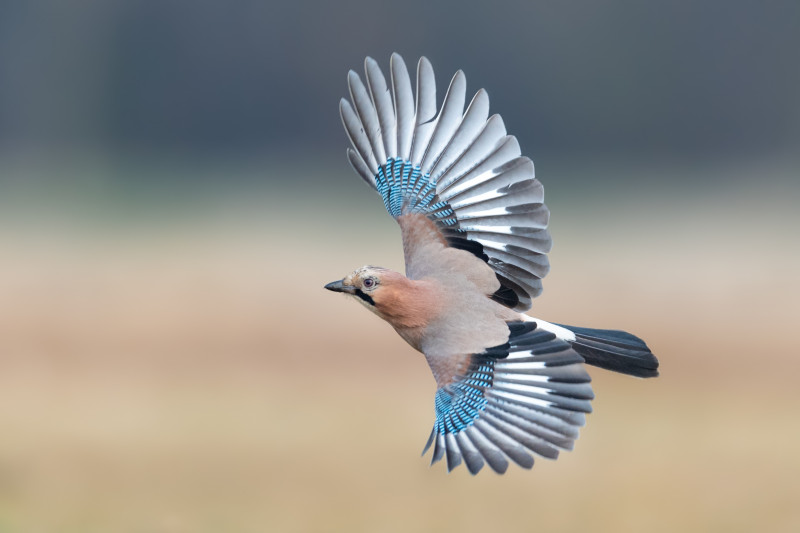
(456, 166)
(529, 395)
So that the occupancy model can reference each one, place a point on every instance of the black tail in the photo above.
(614, 350)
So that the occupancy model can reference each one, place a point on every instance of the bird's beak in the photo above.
(339, 286)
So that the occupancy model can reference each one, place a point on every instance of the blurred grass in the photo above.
(170, 361)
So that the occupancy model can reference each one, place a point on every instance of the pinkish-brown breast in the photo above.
(409, 305)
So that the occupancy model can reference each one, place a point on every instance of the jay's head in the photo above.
(390, 295)
(371, 285)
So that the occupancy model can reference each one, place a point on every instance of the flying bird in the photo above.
(475, 241)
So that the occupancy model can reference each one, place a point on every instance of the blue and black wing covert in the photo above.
(457, 166)
(527, 396)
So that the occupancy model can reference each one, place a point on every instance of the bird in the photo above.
(475, 241)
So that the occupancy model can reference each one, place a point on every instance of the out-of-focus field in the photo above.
(185, 371)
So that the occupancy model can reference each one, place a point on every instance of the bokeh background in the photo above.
(174, 194)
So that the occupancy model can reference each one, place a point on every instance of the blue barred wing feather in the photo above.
(528, 396)
(457, 166)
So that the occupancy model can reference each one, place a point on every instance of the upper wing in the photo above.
(529, 395)
(458, 167)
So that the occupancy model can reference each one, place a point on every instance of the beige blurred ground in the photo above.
(192, 375)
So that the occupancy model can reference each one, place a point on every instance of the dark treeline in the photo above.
(664, 77)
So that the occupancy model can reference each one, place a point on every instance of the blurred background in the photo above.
(174, 194)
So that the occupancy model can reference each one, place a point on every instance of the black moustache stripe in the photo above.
(364, 297)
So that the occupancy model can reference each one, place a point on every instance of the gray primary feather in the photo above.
(486, 143)
(471, 126)
(360, 167)
(425, 112)
(358, 138)
(403, 106)
(491, 454)
(448, 122)
(382, 100)
(472, 457)
(453, 451)
(367, 114)
(502, 151)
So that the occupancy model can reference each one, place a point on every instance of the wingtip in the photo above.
(500, 468)
(473, 470)
(424, 63)
(430, 441)
(345, 107)
(439, 448)
(481, 98)
(396, 61)
(353, 77)
(458, 83)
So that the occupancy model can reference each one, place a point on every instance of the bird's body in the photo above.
(475, 239)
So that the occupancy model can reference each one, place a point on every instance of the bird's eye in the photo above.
(369, 283)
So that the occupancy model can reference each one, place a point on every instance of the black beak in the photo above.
(339, 286)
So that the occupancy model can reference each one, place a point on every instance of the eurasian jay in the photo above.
(475, 241)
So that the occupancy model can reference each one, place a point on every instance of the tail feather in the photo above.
(614, 350)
